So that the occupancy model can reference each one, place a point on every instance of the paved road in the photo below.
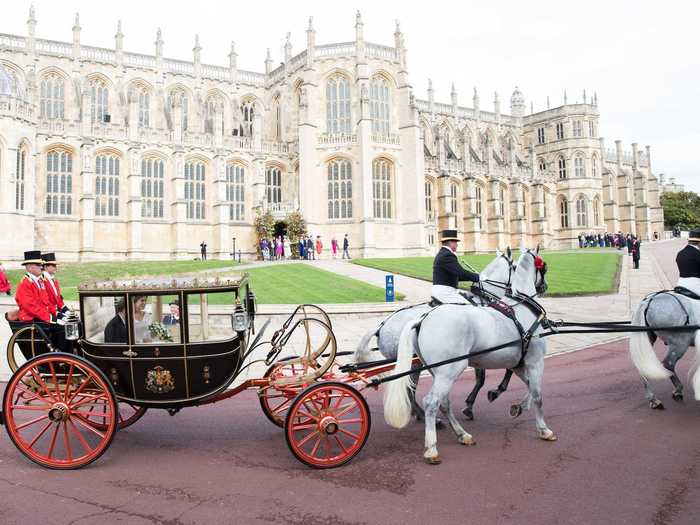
(616, 461)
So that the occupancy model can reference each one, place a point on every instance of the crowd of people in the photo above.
(307, 247)
(617, 240)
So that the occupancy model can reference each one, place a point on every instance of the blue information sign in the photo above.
(389, 287)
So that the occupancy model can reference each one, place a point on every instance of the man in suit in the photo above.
(688, 261)
(636, 251)
(53, 289)
(173, 317)
(447, 272)
(203, 249)
(115, 331)
(346, 246)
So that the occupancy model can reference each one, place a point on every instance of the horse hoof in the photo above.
(468, 413)
(656, 404)
(547, 435)
(433, 460)
(677, 396)
(467, 440)
(493, 395)
(515, 410)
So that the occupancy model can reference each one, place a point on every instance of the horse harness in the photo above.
(525, 335)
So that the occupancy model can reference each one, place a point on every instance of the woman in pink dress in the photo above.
(280, 248)
(334, 247)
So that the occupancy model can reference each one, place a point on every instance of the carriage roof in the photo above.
(165, 284)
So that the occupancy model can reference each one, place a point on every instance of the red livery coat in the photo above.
(54, 296)
(33, 302)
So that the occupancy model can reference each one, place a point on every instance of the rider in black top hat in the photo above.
(688, 261)
(447, 272)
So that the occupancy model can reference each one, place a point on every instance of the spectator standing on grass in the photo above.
(203, 250)
(580, 240)
(346, 247)
(334, 247)
(311, 253)
(319, 246)
(5, 286)
(302, 248)
(287, 248)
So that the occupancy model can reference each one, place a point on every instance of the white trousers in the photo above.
(691, 283)
(447, 294)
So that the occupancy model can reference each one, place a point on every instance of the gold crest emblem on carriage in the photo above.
(159, 381)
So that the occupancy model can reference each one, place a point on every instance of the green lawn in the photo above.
(277, 284)
(301, 283)
(568, 273)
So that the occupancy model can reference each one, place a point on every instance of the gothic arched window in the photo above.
(453, 198)
(581, 212)
(382, 192)
(99, 98)
(235, 191)
(20, 169)
(52, 100)
(338, 105)
(273, 185)
(594, 166)
(179, 97)
(59, 183)
(339, 189)
(563, 213)
(195, 193)
(142, 95)
(429, 214)
(579, 166)
(380, 106)
(106, 185)
(152, 187)
(562, 168)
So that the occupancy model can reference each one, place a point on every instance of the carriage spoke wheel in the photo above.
(128, 414)
(34, 344)
(327, 425)
(69, 420)
(276, 398)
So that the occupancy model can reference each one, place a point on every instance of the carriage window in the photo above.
(209, 316)
(156, 319)
(104, 319)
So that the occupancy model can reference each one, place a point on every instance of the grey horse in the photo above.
(665, 309)
(498, 271)
(461, 332)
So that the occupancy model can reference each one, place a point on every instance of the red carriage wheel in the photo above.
(327, 425)
(275, 402)
(128, 415)
(60, 411)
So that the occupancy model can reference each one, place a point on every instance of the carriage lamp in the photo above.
(239, 319)
(72, 328)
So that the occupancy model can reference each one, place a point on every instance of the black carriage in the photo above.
(169, 344)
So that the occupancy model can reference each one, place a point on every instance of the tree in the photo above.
(264, 228)
(681, 209)
(296, 228)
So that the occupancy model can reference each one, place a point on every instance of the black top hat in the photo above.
(694, 235)
(49, 258)
(32, 257)
(174, 302)
(448, 235)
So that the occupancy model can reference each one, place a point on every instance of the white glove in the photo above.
(61, 321)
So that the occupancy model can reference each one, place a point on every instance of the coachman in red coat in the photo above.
(31, 296)
(53, 290)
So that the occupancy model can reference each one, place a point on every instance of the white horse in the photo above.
(451, 331)
(495, 279)
(665, 309)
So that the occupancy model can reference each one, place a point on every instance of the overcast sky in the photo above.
(641, 57)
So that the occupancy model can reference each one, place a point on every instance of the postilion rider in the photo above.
(688, 261)
(447, 272)
(33, 300)
(53, 289)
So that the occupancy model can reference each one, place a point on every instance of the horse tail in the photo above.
(641, 351)
(362, 351)
(397, 398)
(696, 368)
